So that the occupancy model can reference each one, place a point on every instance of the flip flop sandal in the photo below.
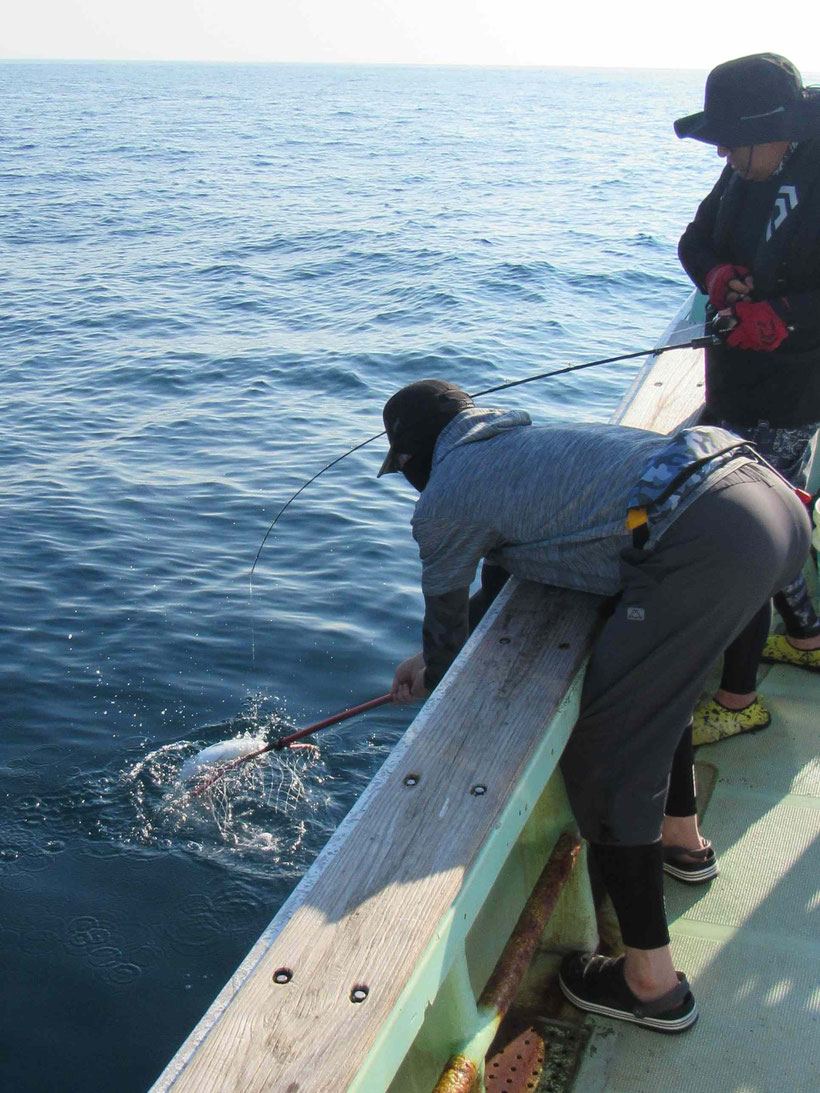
(597, 984)
(690, 866)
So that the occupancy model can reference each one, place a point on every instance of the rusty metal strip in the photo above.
(459, 1076)
(503, 984)
(461, 1072)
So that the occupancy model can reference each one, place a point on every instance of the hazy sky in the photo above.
(644, 33)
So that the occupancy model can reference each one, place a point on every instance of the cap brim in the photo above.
(696, 126)
(390, 464)
(799, 121)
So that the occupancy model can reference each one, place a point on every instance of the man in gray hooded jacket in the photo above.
(692, 534)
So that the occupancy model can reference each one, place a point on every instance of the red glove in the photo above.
(758, 327)
(717, 283)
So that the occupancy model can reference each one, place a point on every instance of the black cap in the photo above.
(758, 99)
(414, 417)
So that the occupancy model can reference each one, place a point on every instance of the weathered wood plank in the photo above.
(371, 914)
(667, 392)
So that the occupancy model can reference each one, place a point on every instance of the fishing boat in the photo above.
(419, 953)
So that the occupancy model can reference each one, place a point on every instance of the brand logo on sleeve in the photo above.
(635, 614)
(785, 201)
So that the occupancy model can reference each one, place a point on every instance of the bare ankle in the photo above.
(734, 701)
(681, 831)
(649, 973)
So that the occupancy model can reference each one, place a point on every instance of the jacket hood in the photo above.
(473, 425)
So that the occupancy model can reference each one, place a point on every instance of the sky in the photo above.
(593, 33)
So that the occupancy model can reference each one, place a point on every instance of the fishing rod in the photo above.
(695, 343)
(286, 741)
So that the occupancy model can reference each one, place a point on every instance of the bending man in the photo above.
(716, 533)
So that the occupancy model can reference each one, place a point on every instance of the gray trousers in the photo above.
(681, 604)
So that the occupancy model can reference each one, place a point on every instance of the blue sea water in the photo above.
(212, 278)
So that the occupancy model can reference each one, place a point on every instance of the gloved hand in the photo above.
(719, 289)
(758, 327)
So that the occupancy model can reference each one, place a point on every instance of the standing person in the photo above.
(715, 534)
(754, 249)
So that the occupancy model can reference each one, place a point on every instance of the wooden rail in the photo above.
(386, 885)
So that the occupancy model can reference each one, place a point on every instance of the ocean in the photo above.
(213, 277)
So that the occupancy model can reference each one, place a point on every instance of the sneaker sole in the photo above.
(657, 1024)
(792, 664)
(692, 876)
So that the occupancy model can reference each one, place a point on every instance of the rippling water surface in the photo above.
(212, 279)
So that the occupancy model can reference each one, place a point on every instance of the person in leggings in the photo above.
(688, 535)
(754, 249)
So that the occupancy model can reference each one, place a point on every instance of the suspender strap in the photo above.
(637, 519)
(639, 536)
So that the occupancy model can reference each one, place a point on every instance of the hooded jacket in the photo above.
(773, 229)
(546, 503)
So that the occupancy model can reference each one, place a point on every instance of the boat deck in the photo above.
(749, 941)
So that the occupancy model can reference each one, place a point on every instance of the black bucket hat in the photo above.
(754, 100)
(414, 417)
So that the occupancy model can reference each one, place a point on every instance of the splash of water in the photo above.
(261, 808)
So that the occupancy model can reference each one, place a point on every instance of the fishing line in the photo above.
(303, 487)
(275, 520)
(695, 343)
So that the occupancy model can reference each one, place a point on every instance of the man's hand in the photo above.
(408, 682)
(757, 326)
(727, 284)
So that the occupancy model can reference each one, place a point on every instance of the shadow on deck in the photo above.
(748, 942)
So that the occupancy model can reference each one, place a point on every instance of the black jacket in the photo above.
(772, 228)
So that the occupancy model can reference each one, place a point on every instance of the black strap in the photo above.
(690, 469)
(640, 534)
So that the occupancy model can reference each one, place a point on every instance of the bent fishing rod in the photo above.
(700, 342)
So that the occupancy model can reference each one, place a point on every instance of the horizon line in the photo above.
(360, 63)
